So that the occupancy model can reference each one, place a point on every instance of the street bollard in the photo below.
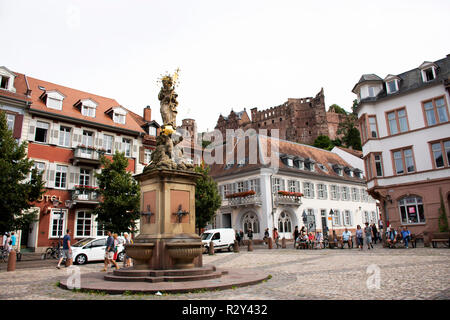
(270, 243)
(283, 243)
(211, 248)
(250, 245)
(236, 246)
(12, 261)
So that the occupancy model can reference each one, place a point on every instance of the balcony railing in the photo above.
(253, 200)
(84, 196)
(287, 200)
(86, 155)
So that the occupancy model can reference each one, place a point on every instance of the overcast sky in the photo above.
(232, 54)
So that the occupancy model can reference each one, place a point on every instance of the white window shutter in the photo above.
(51, 175)
(31, 129)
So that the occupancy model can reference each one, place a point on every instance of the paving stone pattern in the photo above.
(421, 273)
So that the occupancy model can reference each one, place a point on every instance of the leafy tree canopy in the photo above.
(119, 206)
(20, 185)
(207, 198)
(323, 142)
(337, 109)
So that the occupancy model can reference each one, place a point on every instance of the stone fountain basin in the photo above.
(140, 251)
(184, 253)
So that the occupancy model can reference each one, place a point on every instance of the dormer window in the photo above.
(371, 91)
(309, 164)
(119, 118)
(338, 169)
(4, 81)
(298, 162)
(53, 99)
(118, 114)
(392, 83)
(428, 74)
(290, 162)
(7, 79)
(428, 71)
(152, 131)
(87, 107)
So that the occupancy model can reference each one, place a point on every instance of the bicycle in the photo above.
(4, 254)
(55, 251)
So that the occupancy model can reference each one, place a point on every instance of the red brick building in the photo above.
(67, 131)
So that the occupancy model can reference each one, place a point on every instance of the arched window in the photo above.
(411, 210)
(284, 223)
(250, 220)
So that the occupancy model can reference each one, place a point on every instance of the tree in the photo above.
(20, 185)
(323, 142)
(443, 221)
(337, 109)
(207, 198)
(118, 210)
(350, 134)
(354, 106)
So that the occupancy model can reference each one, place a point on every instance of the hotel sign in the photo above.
(49, 198)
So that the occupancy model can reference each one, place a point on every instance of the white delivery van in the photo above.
(221, 238)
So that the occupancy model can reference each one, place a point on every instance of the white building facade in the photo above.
(405, 129)
(260, 197)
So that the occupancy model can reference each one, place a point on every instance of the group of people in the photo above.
(111, 250)
(9, 241)
(402, 235)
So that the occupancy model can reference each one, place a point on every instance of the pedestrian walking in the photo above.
(374, 233)
(359, 237)
(126, 258)
(368, 233)
(109, 252)
(238, 238)
(266, 236)
(276, 236)
(241, 237)
(7, 242)
(13, 241)
(116, 247)
(296, 234)
(66, 249)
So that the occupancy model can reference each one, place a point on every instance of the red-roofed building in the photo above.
(67, 131)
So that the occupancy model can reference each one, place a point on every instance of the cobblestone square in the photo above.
(420, 273)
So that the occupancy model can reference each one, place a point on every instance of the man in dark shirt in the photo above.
(109, 251)
(66, 250)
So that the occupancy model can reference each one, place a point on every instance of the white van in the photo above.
(221, 238)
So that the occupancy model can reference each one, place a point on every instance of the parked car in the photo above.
(93, 249)
(221, 238)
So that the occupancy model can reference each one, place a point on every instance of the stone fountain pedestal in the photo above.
(167, 253)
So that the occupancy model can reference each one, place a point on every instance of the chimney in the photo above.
(147, 114)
